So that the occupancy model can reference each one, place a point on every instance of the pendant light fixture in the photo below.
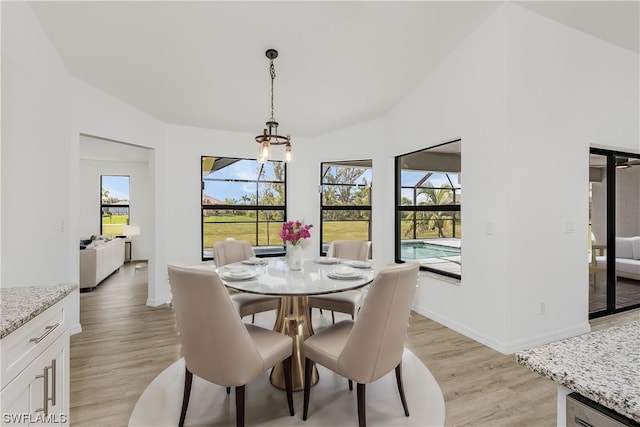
(270, 135)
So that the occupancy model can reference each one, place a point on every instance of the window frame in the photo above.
(112, 205)
(333, 208)
(400, 208)
(261, 250)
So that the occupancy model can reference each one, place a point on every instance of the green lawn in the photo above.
(112, 225)
(220, 227)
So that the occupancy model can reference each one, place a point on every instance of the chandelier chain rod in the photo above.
(272, 71)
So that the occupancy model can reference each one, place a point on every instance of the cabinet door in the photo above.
(14, 401)
(48, 390)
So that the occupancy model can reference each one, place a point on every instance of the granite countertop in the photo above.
(20, 304)
(603, 366)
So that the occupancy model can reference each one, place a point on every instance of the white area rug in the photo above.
(331, 401)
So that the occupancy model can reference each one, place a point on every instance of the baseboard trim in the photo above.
(547, 338)
(156, 302)
(504, 347)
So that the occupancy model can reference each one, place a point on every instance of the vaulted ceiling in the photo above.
(202, 63)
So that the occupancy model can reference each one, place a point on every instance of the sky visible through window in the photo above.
(118, 186)
(240, 171)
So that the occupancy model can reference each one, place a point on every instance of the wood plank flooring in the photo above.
(125, 345)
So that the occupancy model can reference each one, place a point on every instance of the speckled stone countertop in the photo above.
(603, 366)
(20, 304)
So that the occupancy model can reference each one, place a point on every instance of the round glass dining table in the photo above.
(272, 276)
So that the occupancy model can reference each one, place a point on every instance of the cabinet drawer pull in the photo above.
(53, 382)
(48, 330)
(45, 399)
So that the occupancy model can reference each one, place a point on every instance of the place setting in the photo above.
(255, 261)
(238, 273)
(357, 263)
(344, 272)
(327, 260)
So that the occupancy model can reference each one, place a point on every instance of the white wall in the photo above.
(527, 96)
(567, 90)
(45, 112)
(36, 117)
(38, 244)
(465, 97)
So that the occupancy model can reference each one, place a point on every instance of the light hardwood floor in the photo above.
(124, 345)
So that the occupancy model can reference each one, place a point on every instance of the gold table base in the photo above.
(294, 320)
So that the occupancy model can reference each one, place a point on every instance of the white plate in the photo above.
(239, 274)
(357, 264)
(255, 261)
(343, 272)
(352, 276)
(327, 260)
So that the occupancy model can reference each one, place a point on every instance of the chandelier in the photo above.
(270, 135)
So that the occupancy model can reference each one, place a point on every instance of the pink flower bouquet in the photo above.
(294, 231)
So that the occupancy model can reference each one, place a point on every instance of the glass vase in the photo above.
(294, 257)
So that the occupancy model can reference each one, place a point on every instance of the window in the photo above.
(114, 190)
(245, 200)
(345, 204)
(428, 199)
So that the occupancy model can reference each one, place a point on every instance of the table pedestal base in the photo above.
(294, 320)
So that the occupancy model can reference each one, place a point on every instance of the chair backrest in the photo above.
(230, 251)
(376, 342)
(350, 249)
(215, 343)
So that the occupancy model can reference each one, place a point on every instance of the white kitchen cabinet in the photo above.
(35, 370)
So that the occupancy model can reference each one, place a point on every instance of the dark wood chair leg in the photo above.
(362, 411)
(308, 369)
(333, 318)
(288, 383)
(350, 385)
(240, 406)
(253, 318)
(401, 388)
(188, 378)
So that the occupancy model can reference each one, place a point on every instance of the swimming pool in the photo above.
(419, 249)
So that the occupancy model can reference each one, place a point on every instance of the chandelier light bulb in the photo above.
(265, 150)
(288, 155)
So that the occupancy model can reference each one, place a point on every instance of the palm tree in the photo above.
(431, 220)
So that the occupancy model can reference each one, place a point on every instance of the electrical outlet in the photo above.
(543, 309)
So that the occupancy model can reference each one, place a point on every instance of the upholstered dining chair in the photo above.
(348, 301)
(216, 345)
(230, 251)
(368, 348)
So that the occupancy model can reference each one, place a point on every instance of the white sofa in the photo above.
(99, 260)
(627, 257)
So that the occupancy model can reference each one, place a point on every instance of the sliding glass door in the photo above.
(614, 232)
